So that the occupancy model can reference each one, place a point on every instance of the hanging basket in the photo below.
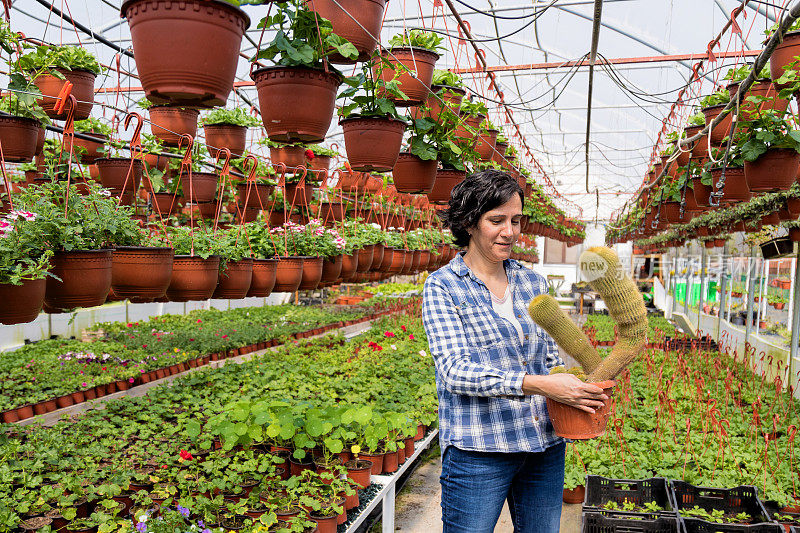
(289, 274)
(120, 174)
(141, 274)
(331, 269)
(92, 148)
(446, 179)
(18, 137)
(168, 123)
(372, 143)
(201, 187)
(414, 175)
(263, 277)
(290, 155)
(414, 76)
(82, 89)
(440, 98)
(235, 280)
(312, 273)
(719, 132)
(486, 144)
(736, 189)
(21, 303)
(254, 195)
(186, 52)
(193, 278)
(230, 136)
(81, 278)
(349, 266)
(358, 21)
(784, 54)
(775, 170)
(164, 203)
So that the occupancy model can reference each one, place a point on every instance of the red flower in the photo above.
(388, 333)
(186, 456)
(129, 325)
(224, 336)
(199, 321)
(403, 328)
(310, 154)
(411, 337)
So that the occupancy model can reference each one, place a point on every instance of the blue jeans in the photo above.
(475, 485)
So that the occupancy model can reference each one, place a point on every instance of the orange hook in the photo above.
(251, 174)
(225, 155)
(136, 140)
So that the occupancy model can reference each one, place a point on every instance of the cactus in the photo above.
(546, 312)
(625, 305)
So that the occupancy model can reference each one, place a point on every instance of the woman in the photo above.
(492, 363)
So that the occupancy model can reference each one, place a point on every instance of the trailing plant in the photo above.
(419, 39)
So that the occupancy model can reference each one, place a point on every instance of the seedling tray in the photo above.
(734, 500)
(695, 525)
(601, 490)
(622, 522)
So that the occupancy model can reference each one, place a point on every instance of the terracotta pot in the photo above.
(386, 260)
(248, 215)
(468, 129)
(164, 203)
(120, 174)
(200, 186)
(763, 88)
(784, 54)
(414, 175)
(441, 98)
(575, 495)
(288, 274)
(372, 143)
(376, 460)
(325, 524)
(770, 219)
(349, 266)
(390, 462)
(153, 160)
(358, 21)
(141, 274)
(18, 137)
(572, 423)
(331, 269)
(736, 189)
(174, 61)
(414, 76)
(398, 261)
(82, 88)
(443, 186)
(92, 154)
(330, 212)
(312, 273)
(296, 103)
(486, 144)
(193, 278)
(255, 195)
(365, 255)
(722, 129)
(775, 170)
(21, 303)
(230, 136)
(701, 193)
(85, 279)
(234, 281)
(168, 123)
(358, 471)
(291, 155)
(297, 195)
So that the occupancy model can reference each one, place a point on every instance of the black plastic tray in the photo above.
(622, 522)
(601, 490)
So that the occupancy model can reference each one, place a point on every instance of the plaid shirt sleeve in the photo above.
(451, 350)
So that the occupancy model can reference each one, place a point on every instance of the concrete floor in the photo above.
(417, 507)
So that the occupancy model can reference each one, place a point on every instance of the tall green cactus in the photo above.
(546, 312)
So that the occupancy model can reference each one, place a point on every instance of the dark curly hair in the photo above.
(478, 193)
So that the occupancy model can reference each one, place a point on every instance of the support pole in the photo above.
(751, 289)
(722, 295)
(703, 261)
(687, 284)
(388, 510)
(673, 280)
(795, 320)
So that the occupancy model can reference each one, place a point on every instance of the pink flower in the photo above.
(411, 337)
(130, 380)
(403, 328)
(388, 333)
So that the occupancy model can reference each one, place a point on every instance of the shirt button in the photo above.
(526, 336)
(536, 418)
(519, 316)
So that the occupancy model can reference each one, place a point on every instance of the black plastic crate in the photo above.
(695, 525)
(622, 522)
(734, 500)
(601, 490)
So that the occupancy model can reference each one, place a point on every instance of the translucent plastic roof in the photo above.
(630, 98)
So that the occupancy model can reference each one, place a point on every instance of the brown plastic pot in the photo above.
(164, 203)
(498, 155)
(719, 132)
(331, 269)
(82, 279)
(82, 89)
(398, 261)
(358, 21)
(349, 266)
(763, 88)
(18, 136)
(774, 170)
(312, 273)
(193, 278)
(174, 59)
(572, 423)
(230, 136)
(390, 462)
(296, 194)
(736, 189)
(446, 179)
(141, 274)
(291, 155)
(169, 122)
(331, 211)
(254, 195)
(365, 255)
(235, 280)
(288, 274)
(120, 174)
(386, 260)
(440, 98)
(200, 186)
(377, 257)
(21, 303)
(784, 54)
(414, 175)
(92, 147)
(468, 129)
(701, 193)
(414, 75)
(358, 471)
(575, 495)
(296, 103)
(486, 143)
(372, 143)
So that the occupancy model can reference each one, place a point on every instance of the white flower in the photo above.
(423, 353)
(375, 225)
(105, 192)
(393, 346)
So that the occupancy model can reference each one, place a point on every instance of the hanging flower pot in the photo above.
(82, 279)
(365, 255)
(446, 179)
(736, 189)
(263, 277)
(775, 170)
(169, 122)
(230, 136)
(763, 88)
(770, 219)
(312, 273)
(174, 58)
(721, 131)
(331, 269)
(701, 193)
(288, 274)
(377, 256)
(157, 161)
(21, 303)
(291, 155)
(486, 144)
(414, 175)
(235, 279)
(298, 195)
(91, 148)
(164, 203)
(82, 89)
(120, 174)
(440, 98)
(254, 195)
(193, 278)
(468, 129)
(331, 211)
(296, 103)
(793, 205)
(18, 136)
(372, 143)
(199, 186)
(141, 274)
(248, 214)
(415, 75)
(794, 234)
(358, 21)
(498, 156)
(784, 54)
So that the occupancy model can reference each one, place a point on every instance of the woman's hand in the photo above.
(566, 388)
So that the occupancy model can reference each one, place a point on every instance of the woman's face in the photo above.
(497, 231)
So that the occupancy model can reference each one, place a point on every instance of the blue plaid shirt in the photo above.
(480, 361)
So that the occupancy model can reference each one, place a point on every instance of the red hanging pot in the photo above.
(82, 89)
(18, 136)
(235, 279)
(230, 136)
(372, 143)
(441, 97)
(331, 212)
(498, 155)
(312, 273)
(120, 174)
(414, 76)
(200, 187)
(288, 274)
(263, 277)
(701, 193)
(141, 274)
(186, 52)
(255, 195)
(331, 269)
(735, 189)
(193, 278)
(21, 303)
(486, 144)
(414, 175)
(358, 21)
(446, 179)
(291, 155)
(164, 203)
(365, 256)
(297, 194)
(775, 170)
(91, 147)
(723, 128)
(168, 123)
(784, 54)
(82, 279)
(296, 103)
(349, 265)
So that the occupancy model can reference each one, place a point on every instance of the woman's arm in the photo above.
(451, 350)
(565, 388)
